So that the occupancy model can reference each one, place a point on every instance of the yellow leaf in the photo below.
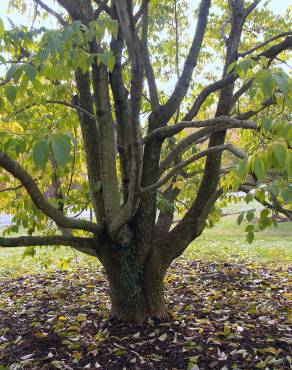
(40, 334)
(271, 350)
(81, 317)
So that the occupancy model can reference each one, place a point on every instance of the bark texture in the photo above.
(136, 289)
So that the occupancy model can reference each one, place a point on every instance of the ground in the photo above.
(229, 303)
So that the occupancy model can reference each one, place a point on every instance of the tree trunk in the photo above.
(136, 290)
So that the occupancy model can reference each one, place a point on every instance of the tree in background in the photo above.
(87, 121)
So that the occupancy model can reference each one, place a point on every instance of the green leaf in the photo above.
(264, 213)
(1, 103)
(244, 66)
(11, 71)
(19, 146)
(259, 167)
(1, 27)
(268, 85)
(11, 93)
(279, 154)
(252, 92)
(240, 218)
(61, 145)
(111, 63)
(242, 168)
(250, 216)
(29, 252)
(281, 80)
(249, 228)
(288, 163)
(266, 124)
(250, 237)
(112, 26)
(108, 59)
(40, 154)
(30, 72)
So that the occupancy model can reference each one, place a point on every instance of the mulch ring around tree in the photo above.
(224, 316)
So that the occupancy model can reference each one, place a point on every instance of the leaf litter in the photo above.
(224, 316)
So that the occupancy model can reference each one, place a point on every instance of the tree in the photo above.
(74, 133)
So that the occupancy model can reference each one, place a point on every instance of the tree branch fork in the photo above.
(158, 131)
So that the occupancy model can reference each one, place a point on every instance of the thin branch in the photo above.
(34, 17)
(60, 102)
(192, 139)
(141, 10)
(208, 90)
(222, 29)
(250, 8)
(40, 201)
(52, 12)
(276, 206)
(251, 112)
(241, 91)
(11, 188)
(102, 7)
(15, 188)
(264, 43)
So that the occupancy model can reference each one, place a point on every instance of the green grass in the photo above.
(14, 264)
(225, 242)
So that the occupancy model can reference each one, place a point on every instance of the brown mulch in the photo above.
(225, 316)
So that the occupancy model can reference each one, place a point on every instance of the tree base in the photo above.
(137, 291)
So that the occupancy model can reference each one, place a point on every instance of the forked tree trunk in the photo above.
(136, 290)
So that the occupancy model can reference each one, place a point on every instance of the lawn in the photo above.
(224, 242)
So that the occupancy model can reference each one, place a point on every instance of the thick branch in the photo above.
(230, 78)
(164, 132)
(154, 99)
(107, 150)
(90, 139)
(33, 241)
(184, 81)
(264, 43)
(127, 23)
(39, 200)
(141, 10)
(122, 111)
(192, 159)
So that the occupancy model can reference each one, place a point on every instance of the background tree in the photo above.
(87, 122)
